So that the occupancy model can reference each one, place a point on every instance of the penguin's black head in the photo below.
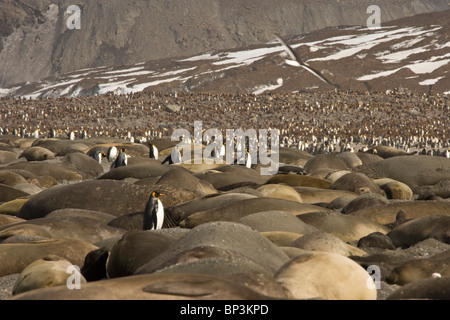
(156, 194)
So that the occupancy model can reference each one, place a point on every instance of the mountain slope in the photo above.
(409, 53)
(36, 42)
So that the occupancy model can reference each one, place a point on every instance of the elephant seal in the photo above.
(239, 209)
(386, 214)
(8, 156)
(135, 249)
(432, 226)
(183, 179)
(350, 159)
(276, 221)
(356, 182)
(45, 168)
(7, 219)
(388, 152)
(325, 161)
(423, 268)
(294, 180)
(208, 202)
(319, 195)
(139, 171)
(8, 193)
(280, 192)
(80, 163)
(364, 201)
(109, 196)
(12, 207)
(53, 144)
(292, 156)
(325, 275)
(368, 157)
(11, 178)
(17, 256)
(413, 171)
(75, 227)
(46, 272)
(431, 288)
(73, 148)
(281, 239)
(324, 241)
(157, 286)
(376, 240)
(232, 236)
(228, 177)
(334, 175)
(227, 264)
(37, 154)
(344, 226)
(101, 217)
(395, 189)
(440, 189)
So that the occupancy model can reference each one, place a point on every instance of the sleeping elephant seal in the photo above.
(17, 256)
(413, 171)
(47, 272)
(387, 213)
(239, 209)
(326, 275)
(157, 286)
(395, 189)
(279, 191)
(422, 268)
(388, 152)
(135, 249)
(325, 161)
(356, 182)
(431, 288)
(433, 226)
(37, 154)
(344, 226)
(226, 236)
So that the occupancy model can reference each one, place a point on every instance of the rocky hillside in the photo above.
(36, 42)
(406, 54)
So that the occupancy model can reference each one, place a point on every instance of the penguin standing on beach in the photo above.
(98, 156)
(112, 153)
(154, 212)
(174, 157)
(121, 160)
(153, 152)
(248, 159)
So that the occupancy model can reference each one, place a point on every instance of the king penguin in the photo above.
(248, 159)
(121, 160)
(99, 155)
(174, 157)
(112, 154)
(153, 152)
(154, 212)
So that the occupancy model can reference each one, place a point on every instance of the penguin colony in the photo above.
(323, 122)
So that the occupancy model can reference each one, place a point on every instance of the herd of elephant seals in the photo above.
(340, 226)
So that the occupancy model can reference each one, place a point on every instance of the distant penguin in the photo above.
(248, 164)
(98, 156)
(222, 150)
(153, 152)
(215, 154)
(154, 212)
(72, 136)
(248, 159)
(174, 157)
(121, 160)
(112, 154)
